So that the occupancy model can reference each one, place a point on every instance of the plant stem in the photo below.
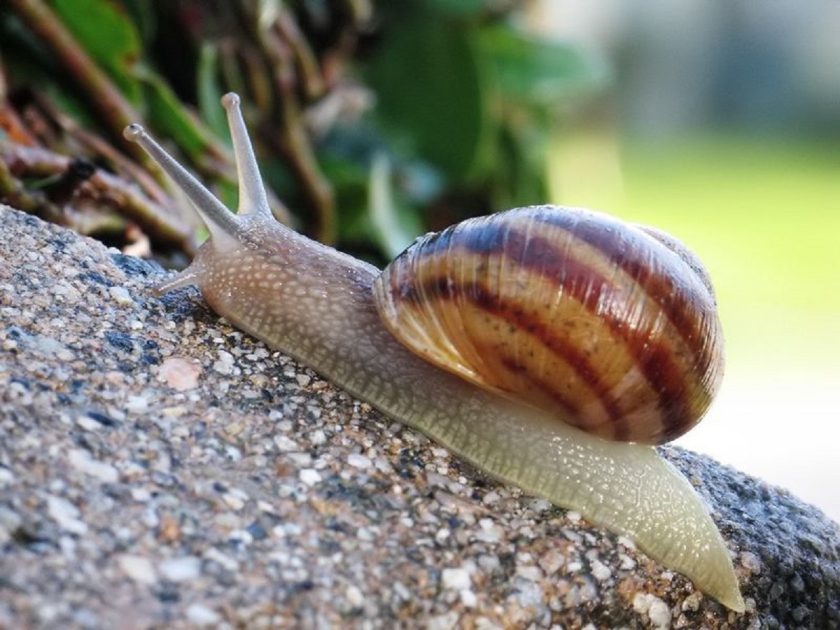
(102, 93)
(293, 138)
(156, 221)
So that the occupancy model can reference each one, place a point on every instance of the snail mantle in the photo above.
(157, 463)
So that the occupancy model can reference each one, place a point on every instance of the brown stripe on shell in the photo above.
(520, 368)
(542, 255)
(632, 249)
(654, 371)
(617, 430)
(443, 289)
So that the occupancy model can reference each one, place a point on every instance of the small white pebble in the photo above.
(488, 531)
(224, 560)
(627, 563)
(233, 501)
(66, 515)
(304, 460)
(539, 505)
(354, 596)
(224, 365)
(600, 571)
(456, 579)
(573, 516)
(6, 476)
(358, 461)
(446, 621)
(285, 444)
(641, 602)
(120, 295)
(657, 610)
(200, 615)
(302, 379)
(88, 423)
(140, 494)
(241, 537)
(138, 568)
(83, 462)
(468, 598)
(659, 613)
(310, 476)
(317, 437)
(626, 542)
(529, 572)
(137, 404)
(181, 569)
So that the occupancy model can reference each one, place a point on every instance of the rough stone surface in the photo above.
(159, 468)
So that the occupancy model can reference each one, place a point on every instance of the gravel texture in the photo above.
(159, 468)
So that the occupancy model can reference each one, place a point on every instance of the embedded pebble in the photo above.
(82, 461)
(180, 569)
(200, 615)
(656, 610)
(456, 579)
(225, 363)
(310, 476)
(120, 295)
(354, 596)
(66, 515)
(6, 476)
(600, 571)
(659, 613)
(179, 373)
(358, 461)
(138, 568)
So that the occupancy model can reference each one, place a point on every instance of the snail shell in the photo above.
(611, 327)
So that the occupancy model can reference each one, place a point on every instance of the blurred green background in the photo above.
(722, 126)
(377, 121)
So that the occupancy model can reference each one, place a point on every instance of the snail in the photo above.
(550, 347)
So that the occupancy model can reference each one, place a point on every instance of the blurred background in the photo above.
(377, 121)
(721, 125)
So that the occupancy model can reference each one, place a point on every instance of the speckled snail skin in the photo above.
(633, 351)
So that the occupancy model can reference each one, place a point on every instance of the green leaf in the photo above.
(540, 72)
(430, 92)
(458, 7)
(171, 118)
(520, 172)
(394, 227)
(209, 91)
(107, 34)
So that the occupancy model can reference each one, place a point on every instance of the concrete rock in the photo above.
(158, 467)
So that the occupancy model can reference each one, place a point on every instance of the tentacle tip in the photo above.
(133, 132)
(230, 100)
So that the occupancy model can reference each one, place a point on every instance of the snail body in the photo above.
(333, 313)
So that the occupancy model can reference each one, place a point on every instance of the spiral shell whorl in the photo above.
(603, 324)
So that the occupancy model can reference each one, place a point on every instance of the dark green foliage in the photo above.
(373, 122)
